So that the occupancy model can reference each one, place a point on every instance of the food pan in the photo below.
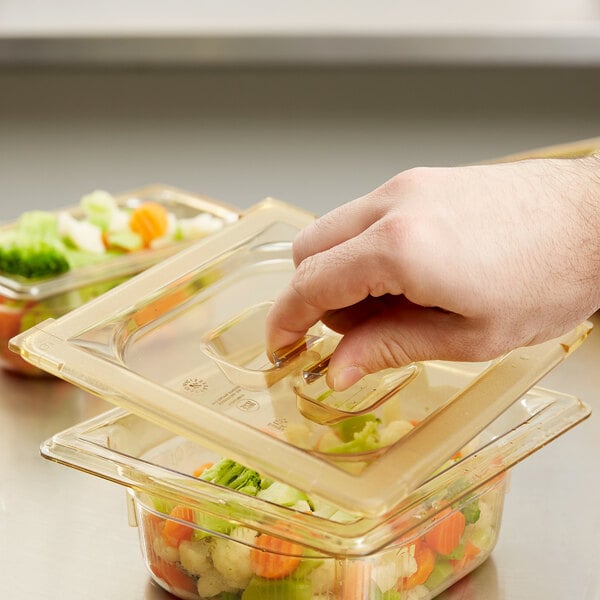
(210, 528)
(28, 295)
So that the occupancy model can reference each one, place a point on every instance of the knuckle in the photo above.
(304, 282)
(391, 353)
(406, 183)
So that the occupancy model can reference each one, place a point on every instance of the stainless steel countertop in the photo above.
(64, 535)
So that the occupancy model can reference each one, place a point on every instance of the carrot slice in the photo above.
(425, 558)
(274, 557)
(202, 468)
(174, 532)
(150, 220)
(170, 574)
(445, 534)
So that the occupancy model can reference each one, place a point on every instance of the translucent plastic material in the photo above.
(24, 302)
(238, 347)
(200, 539)
(182, 345)
(204, 565)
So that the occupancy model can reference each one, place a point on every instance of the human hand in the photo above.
(458, 263)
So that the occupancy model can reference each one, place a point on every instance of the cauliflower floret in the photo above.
(164, 551)
(119, 220)
(417, 593)
(195, 556)
(392, 432)
(212, 583)
(199, 226)
(83, 235)
(298, 434)
(323, 578)
(231, 557)
(393, 565)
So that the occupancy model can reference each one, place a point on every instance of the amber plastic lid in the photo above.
(182, 345)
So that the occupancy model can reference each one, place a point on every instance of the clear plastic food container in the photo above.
(200, 540)
(390, 490)
(27, 301)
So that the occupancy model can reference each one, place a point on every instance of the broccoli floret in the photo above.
(33, 248)
(364, 440)
(32, 257)
(230, 474)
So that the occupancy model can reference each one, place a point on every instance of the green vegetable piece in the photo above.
(33, 248)
(125, 240)
(363, 441)
(482, 537)
(471, 511)
(347, 428)
(441, 572)
(162, 505)
(266, 589)
(324, 395)
(282, 494)
(230, 474)
(377, 594)
(38, 223)
(99, 207)
(227, 596)
(210, 525)
(306, 567)
(457, 553)
(32, 258)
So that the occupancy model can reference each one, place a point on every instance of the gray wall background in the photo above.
(314, 137)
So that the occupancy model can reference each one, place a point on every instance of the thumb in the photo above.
(383, 342)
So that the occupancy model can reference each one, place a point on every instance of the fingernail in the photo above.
(347, 377)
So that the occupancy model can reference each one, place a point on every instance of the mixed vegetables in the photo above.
(45, 244)
(195, 555)
(42, 245)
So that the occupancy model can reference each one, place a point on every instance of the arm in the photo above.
(458, 264)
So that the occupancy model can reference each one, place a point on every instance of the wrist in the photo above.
(587, 200)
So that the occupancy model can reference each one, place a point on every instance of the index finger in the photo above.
(336, 278)
(338, 225)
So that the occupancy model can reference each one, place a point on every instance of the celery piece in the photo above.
(282, 494)
(443, 570)
(125, 240)
(471, 511)
(260, 588)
